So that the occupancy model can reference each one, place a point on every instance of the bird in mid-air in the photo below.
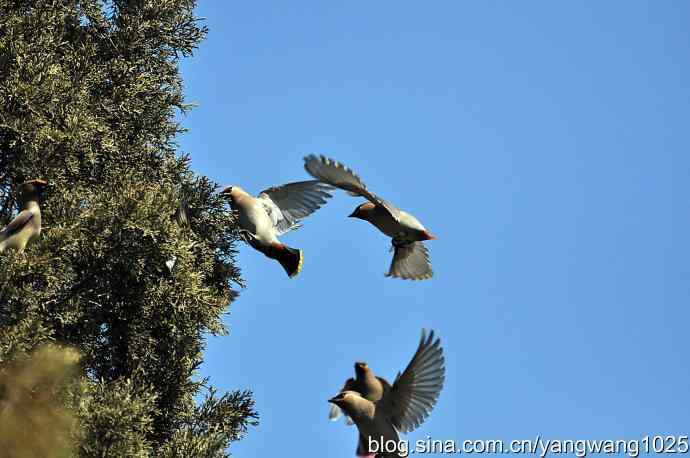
(411, 257)
(274, 212)
(26, 226)
(402, 407)
(366, 384)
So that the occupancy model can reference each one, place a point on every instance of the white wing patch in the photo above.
(286, 205)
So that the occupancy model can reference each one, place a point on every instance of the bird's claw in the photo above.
(246, 236)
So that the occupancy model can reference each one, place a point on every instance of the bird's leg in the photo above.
(400, 241)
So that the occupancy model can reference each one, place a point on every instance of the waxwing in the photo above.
(274, 212)
(411, 257)
(26, 226)
(402, 407)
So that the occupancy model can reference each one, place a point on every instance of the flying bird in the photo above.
(26, 226)
(411, 257)
(403, 406)
(274, 212)
(366, 384)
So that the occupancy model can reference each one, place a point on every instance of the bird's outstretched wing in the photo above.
(410, 262)
(416, 390)
(16, 225)
(289, 203)
(334, 173)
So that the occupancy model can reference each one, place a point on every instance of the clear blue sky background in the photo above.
(546, 145)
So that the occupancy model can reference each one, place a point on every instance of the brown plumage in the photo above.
(411, 257)
(366, 384)
(404, 405)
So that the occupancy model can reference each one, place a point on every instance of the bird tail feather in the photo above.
(290, 258)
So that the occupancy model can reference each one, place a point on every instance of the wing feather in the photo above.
(410, 262)
(16, 225)
(416, 389)
(289, 203)
(336, 174)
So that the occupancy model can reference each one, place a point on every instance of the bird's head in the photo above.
(32, 187)
(362, 211)
(361, 368)
(227, 192)
(345, 399)
(232, 192)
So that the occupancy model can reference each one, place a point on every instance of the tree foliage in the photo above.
(88, 97)
(35, 391)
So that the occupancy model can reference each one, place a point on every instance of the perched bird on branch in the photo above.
(26, 226)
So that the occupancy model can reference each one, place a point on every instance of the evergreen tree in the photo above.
(88, 96)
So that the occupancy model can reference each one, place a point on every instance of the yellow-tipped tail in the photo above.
(299, 264)
(290, 258)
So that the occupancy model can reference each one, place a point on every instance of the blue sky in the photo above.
(545, 144)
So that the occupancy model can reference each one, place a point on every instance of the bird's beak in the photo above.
(353, 214)
(227, 191)
(334, 400)
(428, 235)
